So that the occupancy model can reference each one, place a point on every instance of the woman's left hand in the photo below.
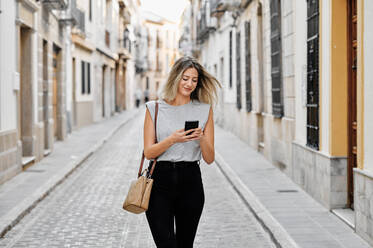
(196, 135)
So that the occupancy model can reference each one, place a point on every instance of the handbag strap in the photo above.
(156, 141)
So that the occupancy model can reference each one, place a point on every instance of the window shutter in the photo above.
(248, 65)
(238, 69)
(276, 63)
(313, 73)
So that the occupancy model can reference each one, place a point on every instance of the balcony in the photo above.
(205, 25)
(219, 7)
(55, 4)
(125, 46)
(79, 16)
(126, 16)
(73, 16)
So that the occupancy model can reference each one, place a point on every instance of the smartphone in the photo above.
(190, 125)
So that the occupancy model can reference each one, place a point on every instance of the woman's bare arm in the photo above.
(207, 140)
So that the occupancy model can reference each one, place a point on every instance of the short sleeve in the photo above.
(206, 112)
(151, 107)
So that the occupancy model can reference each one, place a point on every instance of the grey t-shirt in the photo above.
(172, 118)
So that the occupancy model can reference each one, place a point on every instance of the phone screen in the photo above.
(190, 125)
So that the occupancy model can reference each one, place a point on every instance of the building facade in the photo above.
(33, 82)
(63, 65)
(163, 37)
(296, 88)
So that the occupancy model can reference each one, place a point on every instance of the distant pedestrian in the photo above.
(138, 96)
(146, 95)
(177, 197)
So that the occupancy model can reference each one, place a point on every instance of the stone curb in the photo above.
(18, 212)
(277, 233)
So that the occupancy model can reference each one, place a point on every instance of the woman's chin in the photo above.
(186, 93)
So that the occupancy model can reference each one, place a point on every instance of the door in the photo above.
(45, 95)
(103, 90)
(55, 90)
(352, 118)
(75, 115)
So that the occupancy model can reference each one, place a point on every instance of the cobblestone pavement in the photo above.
(85, 210)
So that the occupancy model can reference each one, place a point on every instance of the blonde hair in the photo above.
(206, 90)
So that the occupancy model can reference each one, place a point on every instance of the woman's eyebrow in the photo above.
(190, 76)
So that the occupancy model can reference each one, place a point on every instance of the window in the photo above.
(313, 74)
(248, 65)
(86, 77)
(89, 78)
(230, 59)
(90, 10)
(238, 69)
(147, 83)
(83, 77)
(276, 63)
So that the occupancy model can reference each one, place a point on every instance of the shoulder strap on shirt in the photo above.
(156, 141)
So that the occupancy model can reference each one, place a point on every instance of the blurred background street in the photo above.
(294, 130)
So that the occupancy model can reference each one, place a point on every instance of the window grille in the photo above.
(248, 66)
(238, 69)
(276, 63)
(230, 59)
(313, 73)
(83, 77)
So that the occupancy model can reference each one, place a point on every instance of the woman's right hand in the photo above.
(180, 136)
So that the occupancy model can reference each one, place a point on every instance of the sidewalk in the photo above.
(294, 219)
(20, 194)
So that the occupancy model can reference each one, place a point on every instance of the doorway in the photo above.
(45, 96)
(55, 91)
(25, 98)
(103, 90)
(260, 50)
(74, 107)
(352, 105)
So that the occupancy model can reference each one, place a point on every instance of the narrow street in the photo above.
(85, 210)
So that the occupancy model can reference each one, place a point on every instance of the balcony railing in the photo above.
(55, 4)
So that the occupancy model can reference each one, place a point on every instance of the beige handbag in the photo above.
(137, 200)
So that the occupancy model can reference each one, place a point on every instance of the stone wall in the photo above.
(10, 161)
(363, 204)
(322, 176)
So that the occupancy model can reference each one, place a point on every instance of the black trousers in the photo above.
(176, 203)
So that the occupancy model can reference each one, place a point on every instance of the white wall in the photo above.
(300, 60)
(368, 85)
(325, 69)
(8, 53)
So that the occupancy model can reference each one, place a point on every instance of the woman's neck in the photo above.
(180, 100)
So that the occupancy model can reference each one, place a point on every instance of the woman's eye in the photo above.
(195, 81)
(185, 79)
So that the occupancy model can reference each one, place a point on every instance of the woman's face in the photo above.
(188, 82)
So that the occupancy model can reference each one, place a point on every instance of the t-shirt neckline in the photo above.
(176, 106)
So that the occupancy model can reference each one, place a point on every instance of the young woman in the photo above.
(177, 195)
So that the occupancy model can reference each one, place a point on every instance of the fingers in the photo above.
(189, 131)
